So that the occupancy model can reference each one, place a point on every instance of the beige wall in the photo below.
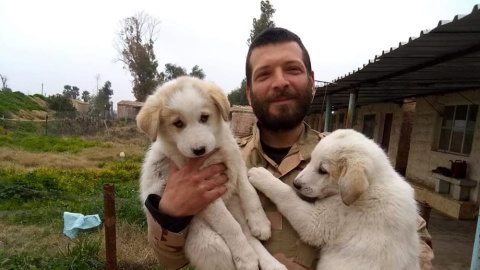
(426, 126)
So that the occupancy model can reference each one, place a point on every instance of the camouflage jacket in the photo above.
(285, 244)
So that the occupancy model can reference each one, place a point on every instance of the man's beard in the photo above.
(289, 115)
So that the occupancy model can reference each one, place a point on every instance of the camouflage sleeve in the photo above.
(426, 251)
(167, 246)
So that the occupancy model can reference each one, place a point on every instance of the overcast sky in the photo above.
(69, 42)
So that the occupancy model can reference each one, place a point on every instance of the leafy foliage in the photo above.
(60, 103)
(264, 22)
(86, 96)
(239, 95)
(101, 104)
(173, 71)
(134, 45)
(71, 91)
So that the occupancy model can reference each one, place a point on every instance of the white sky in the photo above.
(69, 42)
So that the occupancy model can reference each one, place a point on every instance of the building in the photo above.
(128, 110)
(80, 106)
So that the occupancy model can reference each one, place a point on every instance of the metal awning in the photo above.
(442, 60)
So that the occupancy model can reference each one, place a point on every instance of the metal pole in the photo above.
(110, 220)
(328, 114)
(351, 111)
(475, 255)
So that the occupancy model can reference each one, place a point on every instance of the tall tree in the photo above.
(239, 95)
(264, 22)
(101, 102)
(85, 96)
(134, 44)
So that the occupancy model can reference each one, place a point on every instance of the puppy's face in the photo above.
(186, 113)
(190, 120)
(338, 166)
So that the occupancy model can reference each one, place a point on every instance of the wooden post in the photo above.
(110, 231)
(351, 110)
(328, 114)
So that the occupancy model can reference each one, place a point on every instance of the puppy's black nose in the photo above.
(199, 151)
(297, 185)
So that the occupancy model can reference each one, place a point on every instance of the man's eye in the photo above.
(322, 171)
(204, 118)
(178, 124)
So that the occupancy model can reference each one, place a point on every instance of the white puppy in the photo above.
(364, 215)
(187, 118)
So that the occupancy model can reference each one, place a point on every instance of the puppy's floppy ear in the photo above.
(353, 181)
(220, 99)
(148, 118)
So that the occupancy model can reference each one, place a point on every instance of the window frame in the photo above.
(452, 129)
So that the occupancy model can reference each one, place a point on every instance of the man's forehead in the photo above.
(288, 51)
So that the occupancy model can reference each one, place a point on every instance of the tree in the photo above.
(172, 71)
(264, 22)
(60, 103)
(85, 96)
(197, 72)
(239, 95)
(71, 91)
(101, 102)
(134, 44)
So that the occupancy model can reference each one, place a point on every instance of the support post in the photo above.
(328, 114)
(351, 110)
(110, 223)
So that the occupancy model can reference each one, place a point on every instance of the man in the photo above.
(280, 88)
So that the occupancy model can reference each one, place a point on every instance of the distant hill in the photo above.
(19, 105)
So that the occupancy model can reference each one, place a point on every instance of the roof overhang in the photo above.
(443, 60)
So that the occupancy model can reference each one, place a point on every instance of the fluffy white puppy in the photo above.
(363, 214)
(187, 118)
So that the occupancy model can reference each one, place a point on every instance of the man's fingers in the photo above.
(215, 182)
(215, 193)
(212, 170)
(197, 162)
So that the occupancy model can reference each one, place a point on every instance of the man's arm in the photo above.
(426, 252)
(187, 192)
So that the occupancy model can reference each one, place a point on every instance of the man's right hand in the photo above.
(189, 190)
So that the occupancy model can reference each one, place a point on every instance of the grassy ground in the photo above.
(42, 177)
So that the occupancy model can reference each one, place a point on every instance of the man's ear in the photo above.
(247, 91)
(353, 181)
(148, 118)
(311, 77)
(219, 98)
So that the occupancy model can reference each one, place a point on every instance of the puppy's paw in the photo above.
(259, 176)
(260, 226)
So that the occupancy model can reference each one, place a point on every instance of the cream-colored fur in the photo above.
(187, 118)
(364, 215)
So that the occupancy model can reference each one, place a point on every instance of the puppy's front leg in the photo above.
(221, 220)
(305, 217)
(257, 220)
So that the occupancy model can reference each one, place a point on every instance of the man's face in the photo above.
(281, 90)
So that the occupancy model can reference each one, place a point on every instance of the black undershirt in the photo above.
(276, 154)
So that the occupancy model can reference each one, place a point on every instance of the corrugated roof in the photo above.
(441, 60)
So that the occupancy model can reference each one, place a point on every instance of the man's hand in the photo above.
(189, 190)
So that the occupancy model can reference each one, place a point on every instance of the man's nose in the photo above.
(280, 80)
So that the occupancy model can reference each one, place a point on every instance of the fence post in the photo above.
(110, 220)
(46, 125)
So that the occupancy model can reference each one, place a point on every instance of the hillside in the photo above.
(18, 105)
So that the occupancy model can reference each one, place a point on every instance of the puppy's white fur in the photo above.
(187, 118)
(365, 215)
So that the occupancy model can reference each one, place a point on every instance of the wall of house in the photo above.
(380, 110)
(127, 111)
(242, 120)
(423, 156)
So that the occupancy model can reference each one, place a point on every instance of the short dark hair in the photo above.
(275, 35)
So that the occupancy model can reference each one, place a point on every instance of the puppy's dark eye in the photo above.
(204, 118)
(178, 124)
(322, 171)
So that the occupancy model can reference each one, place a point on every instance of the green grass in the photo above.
(36, 143)
(40, 197)
(16, 101)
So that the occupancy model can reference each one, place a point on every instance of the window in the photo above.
(368, 125)
(458, 125)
